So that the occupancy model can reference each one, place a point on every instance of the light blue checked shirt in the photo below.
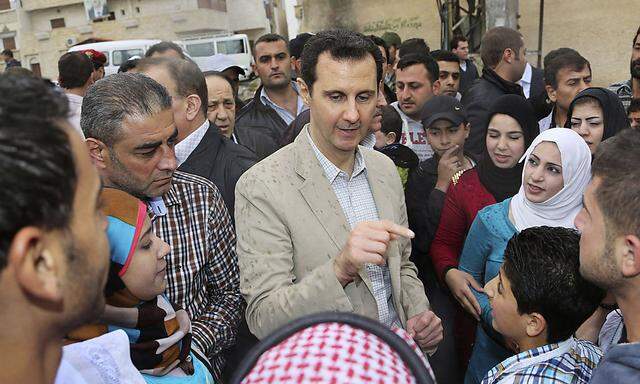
(569, 362)
(358, 205)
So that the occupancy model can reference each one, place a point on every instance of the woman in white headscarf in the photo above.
(556, 172)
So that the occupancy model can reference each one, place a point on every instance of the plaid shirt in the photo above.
(202, 268)
(574, 366)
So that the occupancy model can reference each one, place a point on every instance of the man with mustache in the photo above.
(276, 102)
(630, 89)
(322, 224)
(131, 133)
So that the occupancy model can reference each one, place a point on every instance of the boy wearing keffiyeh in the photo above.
(538, 301)
(159, 331)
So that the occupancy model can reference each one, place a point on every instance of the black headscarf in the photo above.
(504, 183)
(613, 114)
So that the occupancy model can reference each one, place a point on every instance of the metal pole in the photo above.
(541, 23)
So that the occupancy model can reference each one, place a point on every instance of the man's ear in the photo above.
(536, 324)
(390, 138)
(436, 87)
(193, 104)
(37, 270)
(551, 93)
(305, 92)
(98, 152)
(630, 248)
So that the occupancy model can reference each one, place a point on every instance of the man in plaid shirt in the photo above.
(539, 300)
(130, 131)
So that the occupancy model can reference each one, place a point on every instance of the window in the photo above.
(5, 4)
(229, 47)
(201, 49)
(57, 23)
(122, 12)
(120, 57)
(9, 43)
(218, 5)
(35, 68)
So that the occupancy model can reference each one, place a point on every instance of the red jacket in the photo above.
(462, 203)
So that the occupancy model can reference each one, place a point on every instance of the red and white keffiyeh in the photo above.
(333, 353)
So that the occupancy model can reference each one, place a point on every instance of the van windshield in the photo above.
(230, 47)
(201, 49)
(121, 56)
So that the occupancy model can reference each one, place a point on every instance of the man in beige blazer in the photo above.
(321, 224)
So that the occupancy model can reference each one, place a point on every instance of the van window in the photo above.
(201, 49)
(121, 56)
(229, 47)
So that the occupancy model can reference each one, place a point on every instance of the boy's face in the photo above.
(442, 135)
(145, 277)
(506, 319)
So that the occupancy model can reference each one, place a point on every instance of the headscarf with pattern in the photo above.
(159, 331)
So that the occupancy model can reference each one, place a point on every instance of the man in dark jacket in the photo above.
(276, 102)
(468, 70)
(9, 61)
(201, 148)
(610, 247)
(503, 56)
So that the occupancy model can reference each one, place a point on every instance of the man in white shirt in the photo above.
(416, 83)
(74, 76)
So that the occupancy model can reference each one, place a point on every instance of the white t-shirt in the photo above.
(414, 135)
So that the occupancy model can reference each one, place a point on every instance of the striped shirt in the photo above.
(202, 268)
(574, 366)
(358, 205)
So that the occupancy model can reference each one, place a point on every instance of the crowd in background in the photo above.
(377, 212)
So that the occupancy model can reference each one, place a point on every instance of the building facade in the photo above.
(40, 31)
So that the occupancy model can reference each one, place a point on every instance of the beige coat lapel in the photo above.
(321, 198)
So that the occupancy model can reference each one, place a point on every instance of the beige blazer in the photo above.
(290, 226)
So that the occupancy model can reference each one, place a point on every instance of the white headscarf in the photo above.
(561, 209)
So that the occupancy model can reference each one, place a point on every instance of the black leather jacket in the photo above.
(259, 127)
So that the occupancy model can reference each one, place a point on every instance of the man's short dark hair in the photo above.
(117, 97)
(635, 38)
(342, 45)
(128, 65)
(634, 106)
(415, 45)
(164, 46)
(74, 70)
(7, 52)
(543, 266)
(456, 40)
(391, 121)
(433, 71)
(442, 55)
(186, 75)
(559, 59)
(218, 75)
(297, 44)
(616, 164)
(37, 169)
(381, 43)
(496, 41)
(270, 38)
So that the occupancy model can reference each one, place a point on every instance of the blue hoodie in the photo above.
(621, 364)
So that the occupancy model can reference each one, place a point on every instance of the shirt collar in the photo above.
(188, 144)
(331, 171)
(369, 141)
(526, 76)
(264, 97)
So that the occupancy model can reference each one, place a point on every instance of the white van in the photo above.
(234, 46)
(117, 52)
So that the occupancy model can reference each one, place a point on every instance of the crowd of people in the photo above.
(377, 212)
